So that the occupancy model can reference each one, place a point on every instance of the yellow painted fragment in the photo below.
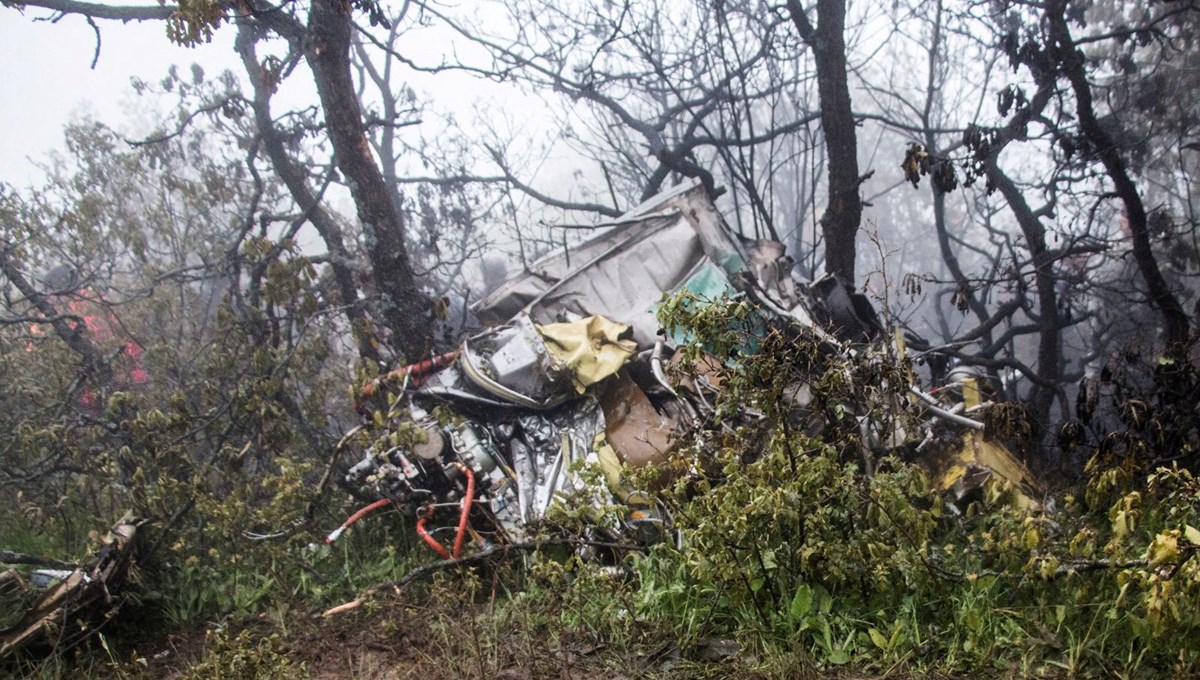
(1007, 474)
(970, 390)
(591, 349)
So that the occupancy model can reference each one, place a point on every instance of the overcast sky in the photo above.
(46, 78)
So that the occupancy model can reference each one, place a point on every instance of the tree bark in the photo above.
(293, 178)
(405, 309)
(1049, 359)
(843, 213)
(1175, 320)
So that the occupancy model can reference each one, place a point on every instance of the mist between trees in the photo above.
(1013, 183)
(1081, 241)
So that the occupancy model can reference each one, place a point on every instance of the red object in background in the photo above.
(99, 320)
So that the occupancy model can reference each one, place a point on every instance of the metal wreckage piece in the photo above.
(570, 379)
(57, 609)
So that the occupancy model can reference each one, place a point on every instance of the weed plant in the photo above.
(811, 558)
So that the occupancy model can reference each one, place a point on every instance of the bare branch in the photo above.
(95, 363)
(123, 13)
(183, 126)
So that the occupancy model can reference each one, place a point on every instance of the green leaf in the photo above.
(1140, 628)
(801, 603)
(974, 623)
(822, 600)
(878, 638)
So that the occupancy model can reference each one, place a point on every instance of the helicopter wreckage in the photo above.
(566, 391)
(482, 442)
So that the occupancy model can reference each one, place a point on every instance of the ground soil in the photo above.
(388, 639)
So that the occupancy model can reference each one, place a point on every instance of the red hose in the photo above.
(462, 521)
(466, 510)
(357, 516)
(418, 370)
(429, 539)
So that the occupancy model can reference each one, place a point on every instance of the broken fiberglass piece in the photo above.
(974, 468)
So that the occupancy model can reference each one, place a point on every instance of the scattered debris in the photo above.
(482, 442)
(566, 391)
(979, 467)
(85, 594)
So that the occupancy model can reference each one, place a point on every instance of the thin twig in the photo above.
(329, 467)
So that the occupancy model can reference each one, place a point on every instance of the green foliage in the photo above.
(787, 546)
(799, 554)
(220, 447)
(790, 547)
(245, 657)
(795, 539)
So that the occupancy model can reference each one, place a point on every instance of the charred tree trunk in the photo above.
(405, 308)
(843, 213)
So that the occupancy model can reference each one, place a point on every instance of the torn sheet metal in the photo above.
(623, 273)
(513, 363)
(638, 433)
(675, 240)
(577, 431)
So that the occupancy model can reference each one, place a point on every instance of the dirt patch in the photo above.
(388, 639)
